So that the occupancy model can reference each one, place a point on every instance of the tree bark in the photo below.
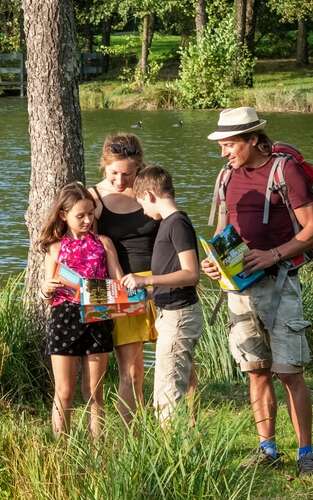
(200, 19)
(240, 17)
(302, 44)
(151, 30)
(54, 117)
(106, 41)
(145, 43)
(251, 16)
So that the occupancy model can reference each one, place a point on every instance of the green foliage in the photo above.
(210, 68)
(307, 295)
(274, 45)
(134, 80)
(129, 44)
(10, 14)
(291, 10)
(93, 12)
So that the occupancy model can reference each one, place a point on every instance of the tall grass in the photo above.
(146, 462)
(213, 355)
(22, 371)
(181, 463)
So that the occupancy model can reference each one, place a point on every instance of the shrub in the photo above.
(210, 68)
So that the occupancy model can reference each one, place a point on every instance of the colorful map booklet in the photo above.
(226, 249)
(102, 299)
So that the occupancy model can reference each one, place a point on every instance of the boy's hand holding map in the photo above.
(101, 299)
(226, 251)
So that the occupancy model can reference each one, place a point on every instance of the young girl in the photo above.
(66, 237)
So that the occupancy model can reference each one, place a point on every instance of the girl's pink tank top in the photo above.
(86, 256)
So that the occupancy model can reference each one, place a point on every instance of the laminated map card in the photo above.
(69, 278)
(226, 249)
(92, 313)
(109, 291)
(101, 299)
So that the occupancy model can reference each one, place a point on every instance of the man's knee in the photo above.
(291, 379)
(261, 375)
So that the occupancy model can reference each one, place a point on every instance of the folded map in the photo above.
(101, 299)
(226, 249)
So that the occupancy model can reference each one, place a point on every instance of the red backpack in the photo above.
(283, 148)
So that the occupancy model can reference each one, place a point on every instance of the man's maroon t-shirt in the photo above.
(245, 197)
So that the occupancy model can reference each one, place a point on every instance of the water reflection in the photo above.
(185, 151)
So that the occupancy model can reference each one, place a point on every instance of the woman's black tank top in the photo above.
(133, 235)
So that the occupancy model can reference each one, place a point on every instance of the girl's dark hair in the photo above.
(120, 147)
(264, 143)
(54, 228)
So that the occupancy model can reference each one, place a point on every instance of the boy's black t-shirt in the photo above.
(176, 234)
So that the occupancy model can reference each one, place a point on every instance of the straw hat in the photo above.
(236, 121)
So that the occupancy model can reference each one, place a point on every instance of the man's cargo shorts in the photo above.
(284, 347)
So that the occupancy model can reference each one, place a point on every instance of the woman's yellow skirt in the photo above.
(140, 328)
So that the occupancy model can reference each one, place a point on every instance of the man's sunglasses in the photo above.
(122, 149)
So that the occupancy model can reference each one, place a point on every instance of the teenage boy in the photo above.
(175, 273)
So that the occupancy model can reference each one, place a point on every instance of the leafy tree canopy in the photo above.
(291, 10)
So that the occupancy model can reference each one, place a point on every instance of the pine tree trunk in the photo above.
(151, 30)
(200, 19)
(240, 16)
(302, 44)
(54, 116)
(145, 44)
(106, 41)
(251, 16)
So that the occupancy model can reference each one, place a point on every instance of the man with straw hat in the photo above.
(267, 334)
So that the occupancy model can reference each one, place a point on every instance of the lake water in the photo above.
(185, 152)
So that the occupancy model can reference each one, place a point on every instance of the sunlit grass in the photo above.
(146, 462)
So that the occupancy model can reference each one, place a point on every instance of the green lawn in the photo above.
(162, 45)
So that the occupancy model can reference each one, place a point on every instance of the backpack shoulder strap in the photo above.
(283, 191)
(270, 186)
(221, 183)
(276, 181)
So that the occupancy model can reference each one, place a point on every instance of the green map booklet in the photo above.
(226, 249)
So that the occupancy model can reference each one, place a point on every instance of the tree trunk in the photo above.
(151, 30)
(54, 117)
(106, 41)
(200, 19)
(302, 44)
(89, 35)
(145, 43)
(251, 16)
(240, 16)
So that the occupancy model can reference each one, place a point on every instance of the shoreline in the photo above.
(279, 86)
(103, 95)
